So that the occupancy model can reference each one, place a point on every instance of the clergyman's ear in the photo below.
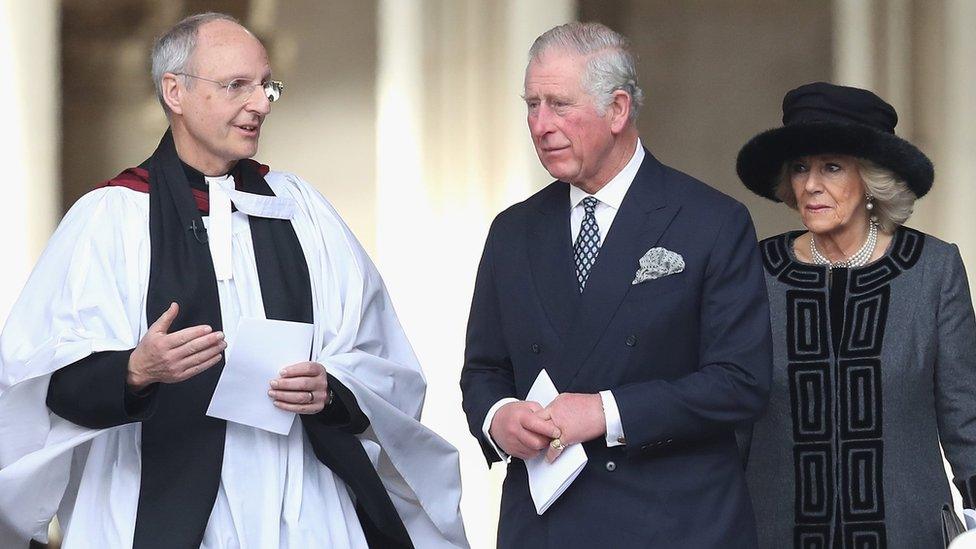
(172, 93)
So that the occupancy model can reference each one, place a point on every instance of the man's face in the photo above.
(573, 140)
(219, 129)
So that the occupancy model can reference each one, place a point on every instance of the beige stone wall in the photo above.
(714, 73)
(325, 127)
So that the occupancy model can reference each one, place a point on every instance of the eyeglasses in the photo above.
(240, 89)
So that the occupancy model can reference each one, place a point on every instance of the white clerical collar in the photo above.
(219, 229)
(612, 194)
(222, 193)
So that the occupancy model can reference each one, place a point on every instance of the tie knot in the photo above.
(589, 204)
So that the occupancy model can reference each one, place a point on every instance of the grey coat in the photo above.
(873, 367)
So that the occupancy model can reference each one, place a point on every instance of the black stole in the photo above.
(182, 447)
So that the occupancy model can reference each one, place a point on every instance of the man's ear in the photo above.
(172, 93)
(619, 111)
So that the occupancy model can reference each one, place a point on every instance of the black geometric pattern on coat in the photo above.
(587, 242)
(834, 343)
(874, 276)
(864, 322)
(813, 466)
(861, 481)
(813, 536)
(811, 394)
(864, 536)
(860, 393)
(907, 247)
(804, 276)
(806, 325)
(773, 256)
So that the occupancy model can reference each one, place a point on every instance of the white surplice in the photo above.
(87, 294)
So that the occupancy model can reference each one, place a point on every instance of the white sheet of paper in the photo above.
(261, 349)
(966, 540)
(970, 516)
(548, 481)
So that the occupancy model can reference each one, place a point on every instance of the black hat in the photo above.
(822, 118)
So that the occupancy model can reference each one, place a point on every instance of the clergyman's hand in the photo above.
(522, 429)
(162, 357)
(580, 418)
(302, 388)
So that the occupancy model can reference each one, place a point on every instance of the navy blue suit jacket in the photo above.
(687, 356)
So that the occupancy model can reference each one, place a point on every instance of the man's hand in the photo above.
(522, 429)
(303, 388)
(161, 357)
(579, 417)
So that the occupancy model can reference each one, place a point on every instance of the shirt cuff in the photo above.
(486, 426)
(615, 429)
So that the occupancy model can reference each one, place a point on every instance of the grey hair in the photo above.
(611, 66)
(173, 50)
(894, 201)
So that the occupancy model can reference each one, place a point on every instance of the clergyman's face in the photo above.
(572, 138)
(221, 130)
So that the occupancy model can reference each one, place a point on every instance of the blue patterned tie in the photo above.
(587, 242)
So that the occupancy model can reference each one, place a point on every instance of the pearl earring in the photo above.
(870, 208)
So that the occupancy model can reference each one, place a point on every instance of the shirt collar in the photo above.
(612, 194)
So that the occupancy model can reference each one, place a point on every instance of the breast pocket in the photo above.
(649, 289)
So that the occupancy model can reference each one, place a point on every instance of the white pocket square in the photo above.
(658, 263)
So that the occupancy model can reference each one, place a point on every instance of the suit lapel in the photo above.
(643, 217)
(551, 259)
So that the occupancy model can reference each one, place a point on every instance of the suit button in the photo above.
(536, 349)
(631, 340)
(611, 466)
(669, 441)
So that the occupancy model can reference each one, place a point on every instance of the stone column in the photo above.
(452, 151)
(956, 175)
(29, 138)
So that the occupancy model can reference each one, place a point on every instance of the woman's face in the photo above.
(829, 192)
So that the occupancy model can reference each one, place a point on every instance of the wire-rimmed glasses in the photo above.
(240, 89)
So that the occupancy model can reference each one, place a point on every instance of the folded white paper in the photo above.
(548, 481)
(260, 350)
(966, 540)
(970, 516)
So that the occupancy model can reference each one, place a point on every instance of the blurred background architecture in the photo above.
(406, 115)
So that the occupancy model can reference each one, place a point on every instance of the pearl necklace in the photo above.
(860, 257)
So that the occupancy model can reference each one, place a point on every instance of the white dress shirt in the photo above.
(609, 199)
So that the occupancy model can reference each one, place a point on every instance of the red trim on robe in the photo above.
(137, 179)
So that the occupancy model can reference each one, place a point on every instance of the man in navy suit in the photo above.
(640, 291)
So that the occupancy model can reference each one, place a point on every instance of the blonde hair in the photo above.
(894, 202)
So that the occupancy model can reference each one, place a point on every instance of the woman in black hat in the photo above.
(874, 335)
